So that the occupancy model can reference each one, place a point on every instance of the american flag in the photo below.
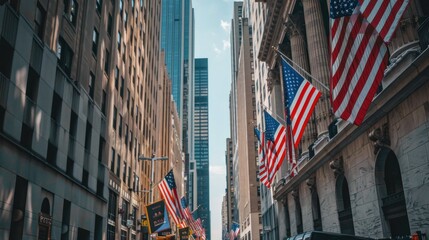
(275, 134)
(263, 166)
(188, 215)
(358, 60)
(301, 98)
(235, 230)
(169, 193)
(383, 15)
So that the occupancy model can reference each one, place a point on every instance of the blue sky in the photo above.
(212, 41)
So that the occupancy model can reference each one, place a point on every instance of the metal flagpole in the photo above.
(282, 55)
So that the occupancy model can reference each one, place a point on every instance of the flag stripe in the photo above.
(167, 188)
(358, 60)
(383, 15)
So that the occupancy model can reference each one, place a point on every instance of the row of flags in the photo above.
(177, 208)
(360, 30)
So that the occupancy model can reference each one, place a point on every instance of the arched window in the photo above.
(390, 189)
(46, 207)
(317, 217)
(344, 207)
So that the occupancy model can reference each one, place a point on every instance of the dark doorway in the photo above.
(344, 207)
(317, 217)
(391, 191)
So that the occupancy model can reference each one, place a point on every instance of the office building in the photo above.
(177, 40)
(201, 143)
(84, 94)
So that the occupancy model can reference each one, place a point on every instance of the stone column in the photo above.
(318, 54)
(300, 57)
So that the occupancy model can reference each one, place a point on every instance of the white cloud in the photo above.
(216, 49)
(217, 170)
(225, 25)
(226, 44)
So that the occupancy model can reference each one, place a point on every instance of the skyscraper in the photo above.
(172, 42)
(201, 145)
(177, 40)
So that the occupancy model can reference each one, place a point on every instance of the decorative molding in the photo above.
(337, 166)
(380, 137)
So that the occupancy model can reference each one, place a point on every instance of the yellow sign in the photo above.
(145, 223)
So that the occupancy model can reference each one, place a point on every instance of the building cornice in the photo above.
(274, 29)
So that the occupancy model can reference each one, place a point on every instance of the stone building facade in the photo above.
(367, 180)
(82, 98)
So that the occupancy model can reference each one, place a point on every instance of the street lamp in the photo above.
(152, 159)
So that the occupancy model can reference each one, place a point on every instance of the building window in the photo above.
(110, 232)
(95, 37)
(70, 11)
(39, 20)
(115, 112)
(116, 77)
(126, 19)
(106, 61)
(98, 6)
(64, 55)
(125, 212)
(91, 83)
(110, 25)
(119, 41)
(124, 172)
(121, 90)
(120, 126)
(118, 165)
(128, 98)
(112, 160)
(123, 235)
(111, 214)
(104, 102)
(121, 6)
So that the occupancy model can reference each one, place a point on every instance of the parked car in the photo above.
(317, 235)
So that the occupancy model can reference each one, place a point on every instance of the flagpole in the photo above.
(282, 120)
(282, 55)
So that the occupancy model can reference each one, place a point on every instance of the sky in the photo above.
(212, 41)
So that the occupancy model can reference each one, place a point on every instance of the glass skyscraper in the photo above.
(201, 138)
(172, 42)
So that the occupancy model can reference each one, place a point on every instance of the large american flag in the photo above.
(275, 134)
(383, 15)
(169, 193)
(358, 60)
(300, 97)
(263, 164)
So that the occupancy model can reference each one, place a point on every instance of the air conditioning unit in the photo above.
(129, 223)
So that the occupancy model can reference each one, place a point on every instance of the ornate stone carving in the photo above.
(311, 183)
(273, 78)
(337, 166)
(380, 137)
(295, 194)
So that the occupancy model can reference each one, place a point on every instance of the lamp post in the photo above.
(152, 159)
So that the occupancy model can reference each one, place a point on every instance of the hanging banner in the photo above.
(157, 217)
(184, 233)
